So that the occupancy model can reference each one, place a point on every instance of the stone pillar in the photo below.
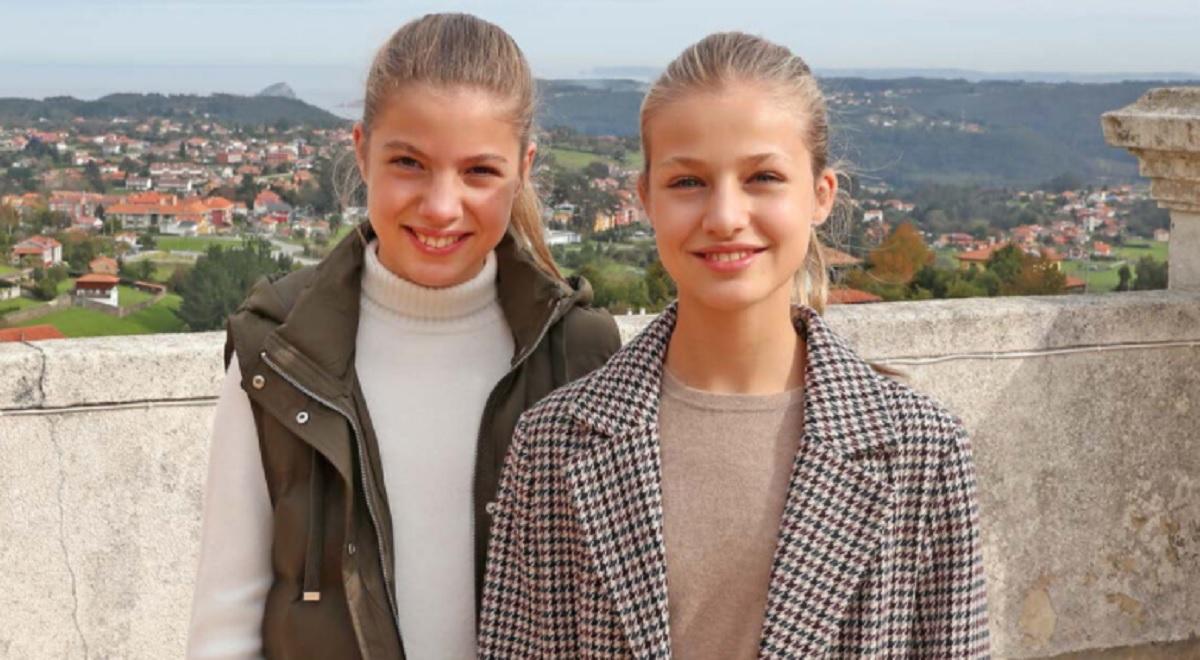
(1163, 130)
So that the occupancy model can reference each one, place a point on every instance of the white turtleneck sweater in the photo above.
(427, 360)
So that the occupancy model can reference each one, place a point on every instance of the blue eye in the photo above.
(685, 182)
(484, 170)
(406, 161)
(765, 177)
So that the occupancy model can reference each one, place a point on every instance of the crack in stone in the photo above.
(41, 385)
(62, 535)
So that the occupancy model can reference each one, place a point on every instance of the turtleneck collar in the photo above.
(408, 299)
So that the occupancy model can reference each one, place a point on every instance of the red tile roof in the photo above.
(835, 257)
(97, 279)
(844, 295)
(31, 333)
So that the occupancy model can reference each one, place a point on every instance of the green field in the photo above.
(576, 160)
(5, 269)
(193, 243)
(1101, 277)
(128, 296)
(77, 322)
(1155, 249)
(16, 304)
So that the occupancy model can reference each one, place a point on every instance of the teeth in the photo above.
(726, 256)
(436, 241)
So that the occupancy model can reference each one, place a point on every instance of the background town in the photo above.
(149, 213)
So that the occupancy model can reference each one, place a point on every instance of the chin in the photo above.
(735, 297)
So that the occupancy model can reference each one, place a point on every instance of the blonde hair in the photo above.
(448, 50)
(730, 57)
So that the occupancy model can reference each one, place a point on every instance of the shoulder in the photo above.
(552, 423)
(584, 324)
(922, 422)
(266, 306)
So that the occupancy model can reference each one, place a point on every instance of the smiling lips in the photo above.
(436, 243)
(726, 258)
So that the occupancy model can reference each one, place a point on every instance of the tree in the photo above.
(45, 282)
(95, 180)
(1151, 274)
(247, 190)
(147, 241)
(79, 252)
(900, 255)
(45, 220)
(216, 285)
(596, 170)
(660, 288)
(1124, 274)
(1006, 263)
(10, 220)
(1038, 277)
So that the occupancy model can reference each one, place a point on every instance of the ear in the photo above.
(643, 189)
(528, 158)
(360, 149)
(826, 192)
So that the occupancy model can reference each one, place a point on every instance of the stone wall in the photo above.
(1084, 411)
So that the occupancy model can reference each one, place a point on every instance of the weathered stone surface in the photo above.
(1088, 470)
(179, 366)
(1163, 119)
(937, 328)
(21, 369)
(99, 516)
(1183, 252)
(36, 569)
(1163, 130)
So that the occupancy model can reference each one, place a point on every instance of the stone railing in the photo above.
(1084, 413)
(1083, 410)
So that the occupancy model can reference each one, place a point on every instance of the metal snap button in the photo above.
(258, 381)
(351, 548)
(490, 507)
(302, 417)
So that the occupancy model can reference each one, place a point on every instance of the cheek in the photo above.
(673, 219)
(492, 207)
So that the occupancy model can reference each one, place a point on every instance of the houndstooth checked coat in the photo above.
(878, 553)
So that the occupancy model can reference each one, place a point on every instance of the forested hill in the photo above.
(225, 108)
(911, 130)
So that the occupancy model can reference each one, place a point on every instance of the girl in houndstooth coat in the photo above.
(864, 545)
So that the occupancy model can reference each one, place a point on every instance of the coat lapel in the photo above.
(616, 483)
(839, 504)
(834, 521)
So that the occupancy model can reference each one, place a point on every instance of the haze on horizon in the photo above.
(88, 48)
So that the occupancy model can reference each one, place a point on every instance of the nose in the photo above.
(727, 213)
(442, 202)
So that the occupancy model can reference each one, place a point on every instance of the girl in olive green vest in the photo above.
(350, 481)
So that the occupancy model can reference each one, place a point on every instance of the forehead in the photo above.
(735, 118)
(453, 118)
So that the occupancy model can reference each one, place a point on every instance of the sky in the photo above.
(87, 48)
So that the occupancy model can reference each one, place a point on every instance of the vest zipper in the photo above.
(488, 409)
(362, 464)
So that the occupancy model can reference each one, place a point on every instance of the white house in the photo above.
(10, 288)
(561, 237)
(98, 288)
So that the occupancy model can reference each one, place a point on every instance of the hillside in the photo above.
(907, 131)
(227, 108)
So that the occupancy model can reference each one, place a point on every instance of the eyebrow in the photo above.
(401, 145)
(753, 159)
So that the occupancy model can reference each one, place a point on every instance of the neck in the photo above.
(754, 350)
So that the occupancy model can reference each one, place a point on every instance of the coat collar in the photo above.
(844, 397)
(317, 337)
(837, 509)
